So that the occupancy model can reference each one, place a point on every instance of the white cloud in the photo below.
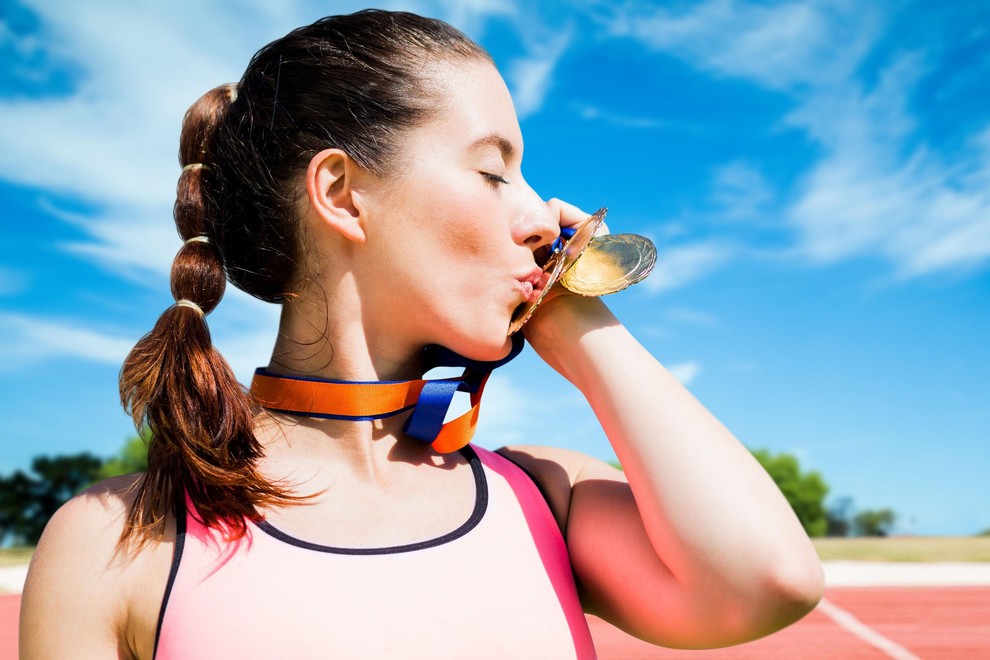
(530, 77)
(110, 142)
(678, 266)
(506, 411)
(594, 113)
(779, 46)
(878, 190)
(470, 16)
(691, 317)
(244, 331)
(741, 192)
(685, 372)
(27, 340)
(514, 412)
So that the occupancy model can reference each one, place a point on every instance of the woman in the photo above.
(365, 173)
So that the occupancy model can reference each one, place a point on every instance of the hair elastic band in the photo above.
(191, 305)
(197, 239)
(195, 166)
(232, 91)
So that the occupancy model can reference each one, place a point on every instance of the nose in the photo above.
(538, 224)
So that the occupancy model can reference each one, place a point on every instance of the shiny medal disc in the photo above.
(610, 264)
(560, 260)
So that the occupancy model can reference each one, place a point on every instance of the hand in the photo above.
(556, 311)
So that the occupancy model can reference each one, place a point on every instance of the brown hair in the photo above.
(353, 82)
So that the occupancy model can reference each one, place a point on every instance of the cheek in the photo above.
(466, 232)
(473, 243)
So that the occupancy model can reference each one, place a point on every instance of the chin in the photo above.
(487, 347)
(490, 352)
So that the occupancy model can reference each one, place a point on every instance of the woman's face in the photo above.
(451, 233)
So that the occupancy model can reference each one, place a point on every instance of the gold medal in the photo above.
(591, 265)
(610, 264)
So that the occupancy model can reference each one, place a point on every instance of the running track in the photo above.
(852, 622)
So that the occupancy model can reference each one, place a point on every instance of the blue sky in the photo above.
(816, 176)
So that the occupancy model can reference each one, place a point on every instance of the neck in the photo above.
(296, 381)
(300, 447)
(324, 341)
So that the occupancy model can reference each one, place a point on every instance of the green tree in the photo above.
(132, 457)
(874, 522)
(27, 501)
(840, 517)
(805, 491)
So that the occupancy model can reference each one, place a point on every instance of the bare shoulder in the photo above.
(90, 523)
(79, 596)
(557, 471)
(556, 463)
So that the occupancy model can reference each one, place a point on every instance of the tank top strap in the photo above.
(549, 542)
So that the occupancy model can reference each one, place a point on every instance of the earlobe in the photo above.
(328, 186)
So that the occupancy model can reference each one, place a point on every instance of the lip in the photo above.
(529, 284)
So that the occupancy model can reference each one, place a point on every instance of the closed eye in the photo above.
(493, 179)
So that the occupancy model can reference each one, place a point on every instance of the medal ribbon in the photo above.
(429, 400)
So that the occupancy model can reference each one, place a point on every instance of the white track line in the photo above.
(12, 578)
(852, 625)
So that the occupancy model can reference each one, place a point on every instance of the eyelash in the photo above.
(493, 179)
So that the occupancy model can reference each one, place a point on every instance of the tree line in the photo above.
(806, 492)
(29, 498)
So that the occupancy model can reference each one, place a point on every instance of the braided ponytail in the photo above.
(175, 383)
(354, 82)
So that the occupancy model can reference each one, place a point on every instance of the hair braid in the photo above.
(355, 82)
(178, 385)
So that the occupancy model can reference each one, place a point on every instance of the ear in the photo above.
(329, 180)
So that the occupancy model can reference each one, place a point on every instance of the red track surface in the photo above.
(930, 622)
(9, 605)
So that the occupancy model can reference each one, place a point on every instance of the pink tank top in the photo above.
(498, 586)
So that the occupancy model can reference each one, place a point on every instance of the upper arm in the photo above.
(75, 598)
(619, 574)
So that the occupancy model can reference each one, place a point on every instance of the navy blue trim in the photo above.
(351, 418)
(480, 507)
(261, 371)
(180, 544)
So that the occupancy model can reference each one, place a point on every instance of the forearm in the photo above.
(711, 512)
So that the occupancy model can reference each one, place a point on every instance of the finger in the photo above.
(568, 215)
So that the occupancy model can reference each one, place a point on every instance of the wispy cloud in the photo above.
(110, 137)
(740, 192)
(138, 244)
(686, 372)
(692, 317)
(530, 77)
(878, 190)
(680, 265)
(512, 410)
(470, 16)
(594, 113)
(243, 330)
(780, 46)
(27, 340)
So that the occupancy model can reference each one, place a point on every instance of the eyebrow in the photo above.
(495, 140)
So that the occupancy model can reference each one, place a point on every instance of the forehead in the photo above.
(474, 110)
